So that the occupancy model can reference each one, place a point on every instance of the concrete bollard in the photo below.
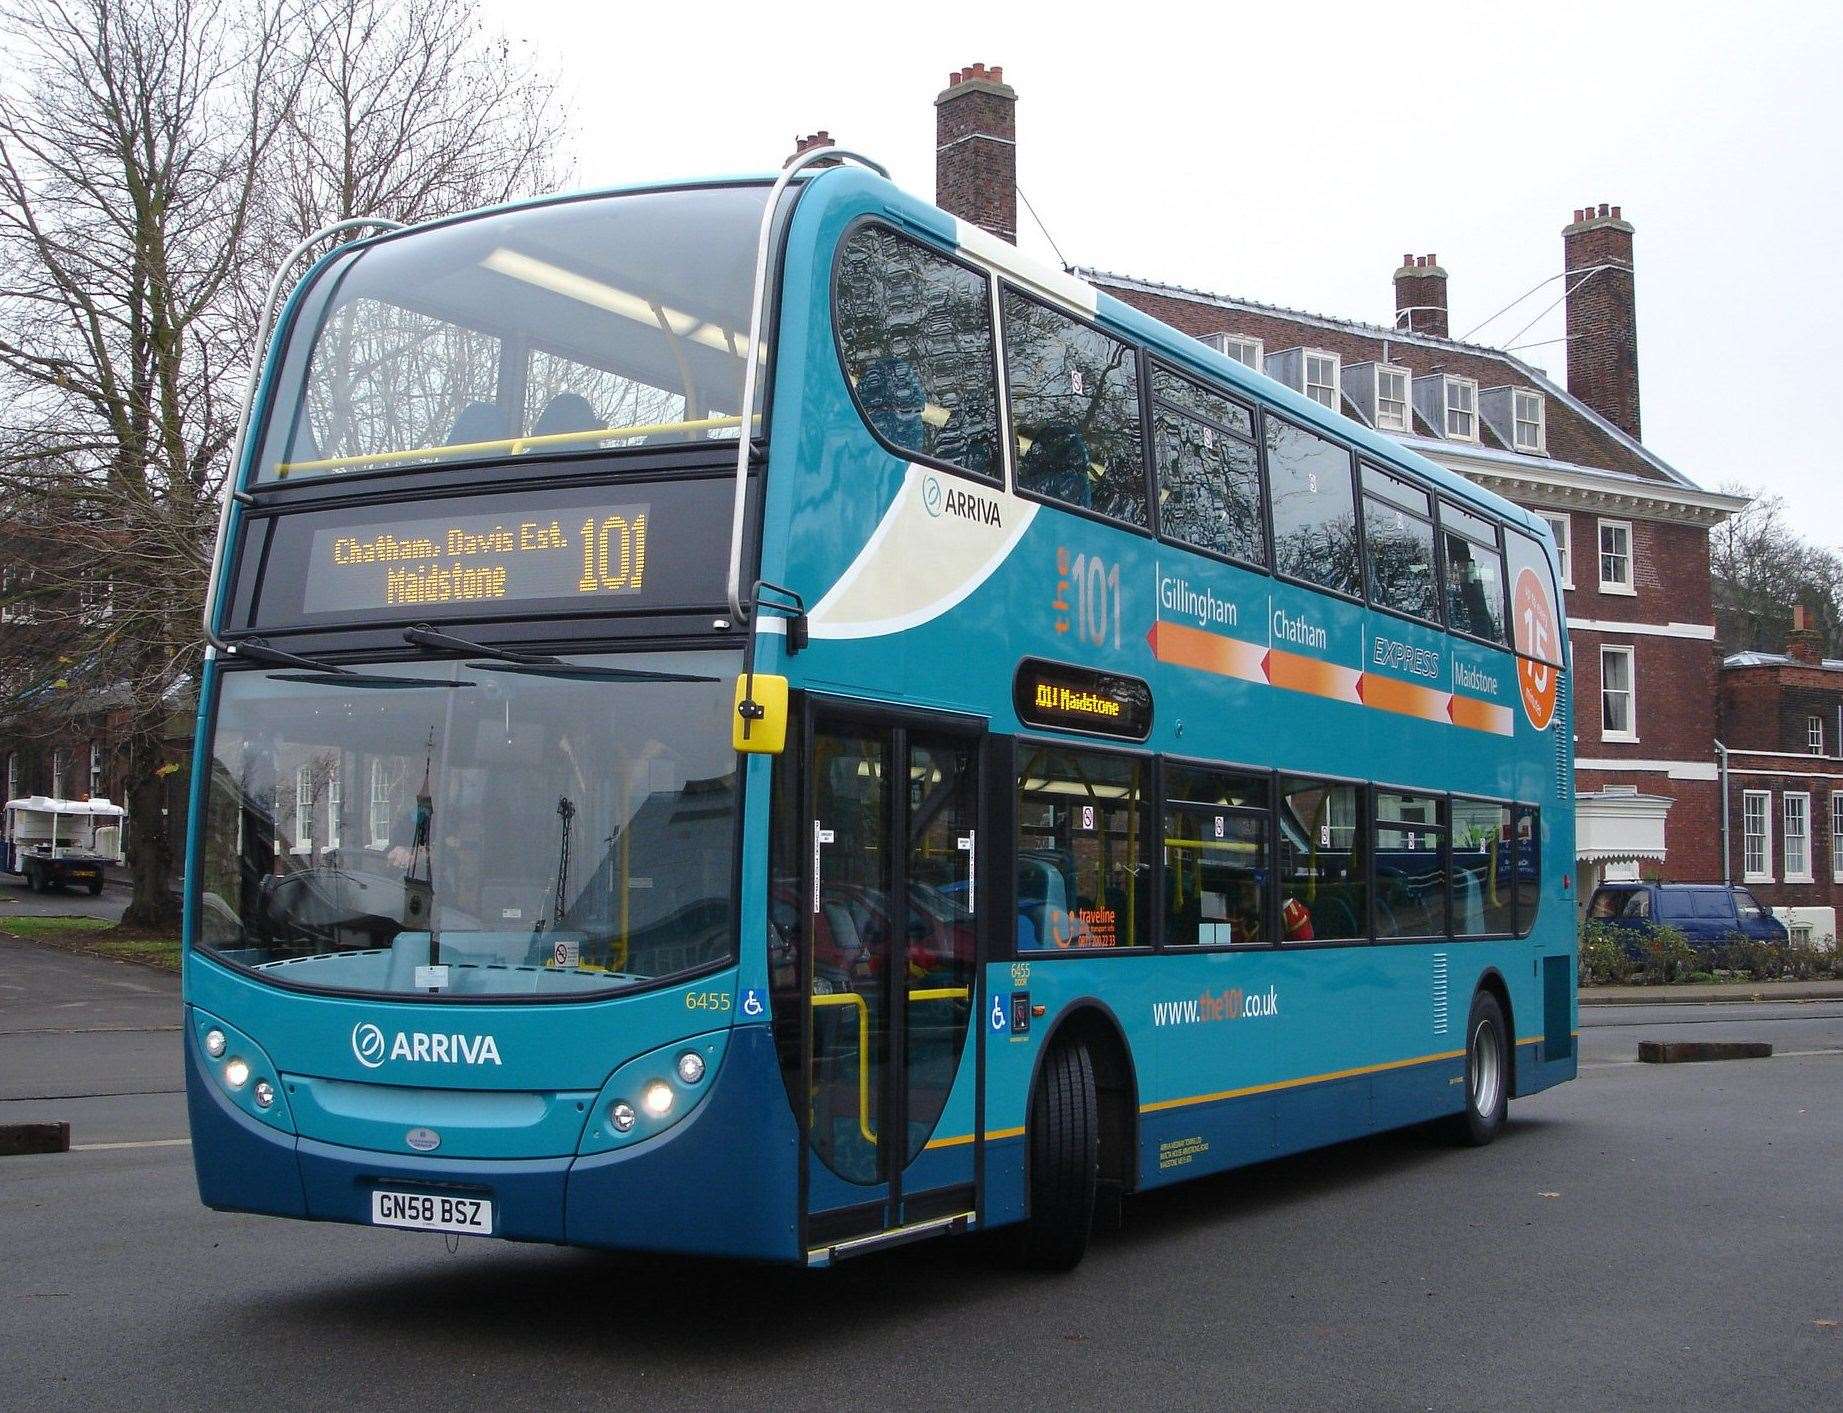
(1677, 1052)
(16, 1139)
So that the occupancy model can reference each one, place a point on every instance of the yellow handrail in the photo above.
(512, 446)
(851, 998)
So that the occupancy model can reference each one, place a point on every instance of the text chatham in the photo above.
(386, 548)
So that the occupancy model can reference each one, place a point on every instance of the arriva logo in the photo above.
(420, 1047)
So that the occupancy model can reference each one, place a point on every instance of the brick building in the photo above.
(1633, 530)
(1781, 724)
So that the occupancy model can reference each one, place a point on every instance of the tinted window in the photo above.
(1209, 476)
(1324, 889)
(1712, 904)
(1747, 905)
(1484, 896)
(916, 330)
(1608, 902)
(1081, 876)
(1528, 868)
(1314, 509)
(1399, 536)
(1673, 903)
(1075, 411)
(1410, 865)
(1474, 575)
(1216, 858)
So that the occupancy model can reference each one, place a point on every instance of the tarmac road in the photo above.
(1647, 1237)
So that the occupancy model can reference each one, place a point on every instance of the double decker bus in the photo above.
(745, 718)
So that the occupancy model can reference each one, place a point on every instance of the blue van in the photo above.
(1708, 914)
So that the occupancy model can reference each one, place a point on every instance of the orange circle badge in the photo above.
(1537, 637)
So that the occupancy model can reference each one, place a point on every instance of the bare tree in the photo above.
(1762, 568)
(155, 155)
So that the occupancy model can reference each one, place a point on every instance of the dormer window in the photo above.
(1392, 399)
(1243, 350)
(1321, 378)
(1526, 423)
(1461, 404)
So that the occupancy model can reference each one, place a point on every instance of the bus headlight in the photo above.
(214, 1043)
(691, 1067)
(236, 1074)
(658, 1099)
(264, 1092)
(621, 1116)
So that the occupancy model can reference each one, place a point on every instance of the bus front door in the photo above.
(890, 933)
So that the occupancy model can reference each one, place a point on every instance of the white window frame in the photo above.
(1448, 384)
(1561, 526)
(1406, 422)
(1227, 344)
(12, 775)
(1630, 654)
(1615, 586)
(57, 773)
(380, 795)
(1517, 422)
(1836, 836)
(1333, 386)
(335, 798)
(1797, 870)
(1764, 800)
(95, 769)
(1814, 735)
(303, 809)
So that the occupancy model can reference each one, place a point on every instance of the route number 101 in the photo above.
(1096, 585)
(613, 555)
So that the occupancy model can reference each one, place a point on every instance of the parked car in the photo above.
(1708, 914)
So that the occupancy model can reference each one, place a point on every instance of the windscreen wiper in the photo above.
(423, 636)
(585, 672)
(256, 650)
(338, 677)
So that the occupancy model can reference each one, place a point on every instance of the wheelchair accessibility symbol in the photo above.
(752, 1003)
(999, 1021)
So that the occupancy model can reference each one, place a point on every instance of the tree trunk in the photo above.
(153, 849)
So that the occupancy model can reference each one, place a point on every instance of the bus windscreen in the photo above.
(574, 326)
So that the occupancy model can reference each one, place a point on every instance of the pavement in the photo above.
(1647, 1237)
(1703, 992)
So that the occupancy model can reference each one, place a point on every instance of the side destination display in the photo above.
(1066, 698)
(577, 550)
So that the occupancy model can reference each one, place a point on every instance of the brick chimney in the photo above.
(1420, 296)
(1804, 643)
(1602, 314)
(975, 149)
(803, 145)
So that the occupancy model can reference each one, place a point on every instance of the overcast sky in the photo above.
(1292, 153)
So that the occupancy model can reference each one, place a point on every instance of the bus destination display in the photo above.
(485, 560)
(1066, 698)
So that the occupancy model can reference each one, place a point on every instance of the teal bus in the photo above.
(745, 718)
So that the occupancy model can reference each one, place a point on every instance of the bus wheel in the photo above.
(1487, 1074)
(1065, 1160)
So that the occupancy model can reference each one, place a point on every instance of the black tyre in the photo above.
(95, 886)
(1065, 1160)
(35, 879)
(1487, 1073)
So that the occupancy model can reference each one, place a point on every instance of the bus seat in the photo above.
(1057, 464)
(566, 412)
(894, 399)
(478, 422)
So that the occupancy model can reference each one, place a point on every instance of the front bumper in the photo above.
(722, 1182)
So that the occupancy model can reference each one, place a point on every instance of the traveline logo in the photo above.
(420, 1047)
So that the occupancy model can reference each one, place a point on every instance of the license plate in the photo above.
(471, 1216)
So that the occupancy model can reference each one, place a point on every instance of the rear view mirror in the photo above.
(759, 726)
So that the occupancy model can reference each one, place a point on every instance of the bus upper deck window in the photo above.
(915, 329)
(1314, 508)
(1074, 411)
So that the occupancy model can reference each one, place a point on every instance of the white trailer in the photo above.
(57, 842)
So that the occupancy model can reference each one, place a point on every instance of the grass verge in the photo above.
(93, 937)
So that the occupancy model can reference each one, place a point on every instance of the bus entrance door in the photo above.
(891, 935)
